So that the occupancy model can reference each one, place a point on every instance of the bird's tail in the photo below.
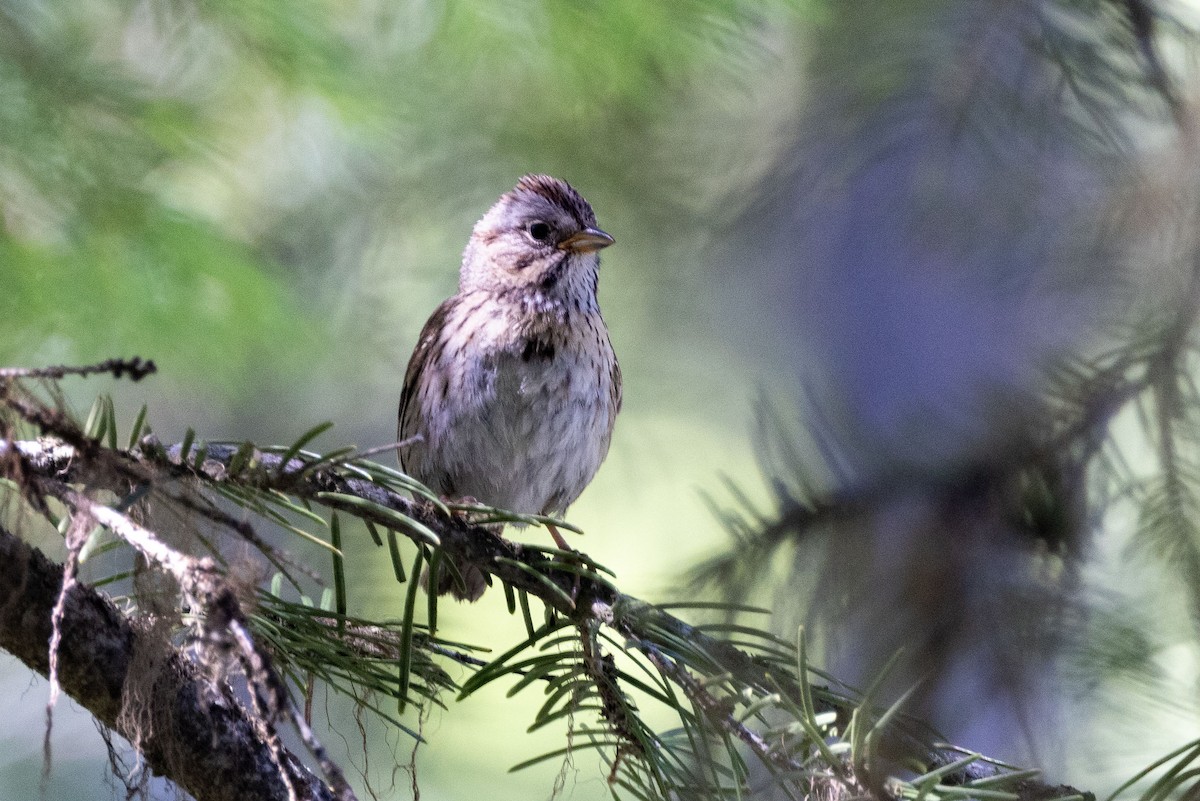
(463, 580)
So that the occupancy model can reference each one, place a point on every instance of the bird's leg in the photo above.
(558, 538)
(561, 543)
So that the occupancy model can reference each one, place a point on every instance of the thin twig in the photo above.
(77, 531)
(393, 446)
(137, 369)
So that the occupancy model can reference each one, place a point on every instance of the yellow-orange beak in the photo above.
(586, 241)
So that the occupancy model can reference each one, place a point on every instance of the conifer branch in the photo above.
(733, 692)
(189, 729)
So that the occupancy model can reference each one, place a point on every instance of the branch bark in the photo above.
(188, 728)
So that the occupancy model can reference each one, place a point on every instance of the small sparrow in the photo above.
(511, 393)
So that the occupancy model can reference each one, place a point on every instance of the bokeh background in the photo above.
(880, 221)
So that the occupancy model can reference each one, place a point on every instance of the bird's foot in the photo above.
(570, 556)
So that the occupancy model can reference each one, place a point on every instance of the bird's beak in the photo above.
(586, 241)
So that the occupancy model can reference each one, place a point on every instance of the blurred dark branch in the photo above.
(1167, 368)
(1143, 21)
(1064, 446)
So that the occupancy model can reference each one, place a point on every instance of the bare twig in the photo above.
(136, 368)
(391, 446)
(77, 531)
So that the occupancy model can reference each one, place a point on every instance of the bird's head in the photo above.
(541, 235)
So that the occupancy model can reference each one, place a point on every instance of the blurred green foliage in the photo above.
(212, 184)
(95, 256)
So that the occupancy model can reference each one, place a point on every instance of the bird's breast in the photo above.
(536, 415)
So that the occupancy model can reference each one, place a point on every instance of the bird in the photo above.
(513, 388)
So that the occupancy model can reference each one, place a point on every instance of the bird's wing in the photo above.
(408, 420)
(617, 393)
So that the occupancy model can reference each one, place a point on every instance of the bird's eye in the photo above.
(539, 230)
